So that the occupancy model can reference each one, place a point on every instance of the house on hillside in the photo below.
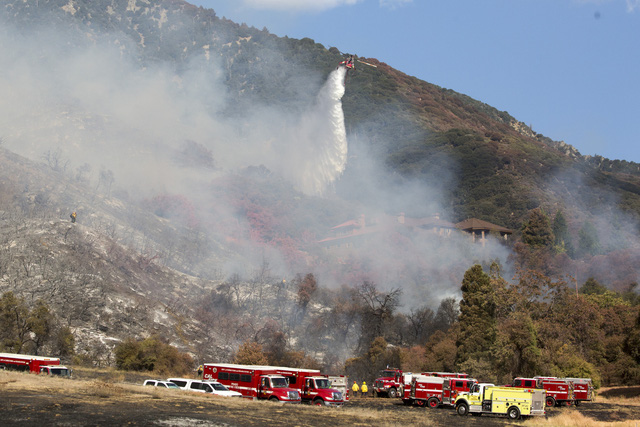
(479, 229)
(355, 232)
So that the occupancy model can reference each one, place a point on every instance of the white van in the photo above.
(213, 387)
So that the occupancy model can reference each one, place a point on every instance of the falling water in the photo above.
(325, 138)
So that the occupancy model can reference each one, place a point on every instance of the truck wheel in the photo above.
(550, 401)
(318, 402)
(577, 403)
(433, 402)
(392, 393)
(274, 399)
(462, 409)
(513, 413)
(421, 403)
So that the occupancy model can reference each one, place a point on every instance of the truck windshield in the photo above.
(320, 383)
(388, 373)
(279, 382)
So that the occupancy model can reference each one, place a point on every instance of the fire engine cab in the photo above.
(390, 383)
(313, 387)
(252, 381)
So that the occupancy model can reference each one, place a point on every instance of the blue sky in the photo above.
(568, 68)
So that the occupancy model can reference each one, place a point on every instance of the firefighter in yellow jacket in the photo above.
(355, 389)
(365, 389)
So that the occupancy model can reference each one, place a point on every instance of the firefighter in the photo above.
(355, 389)
(73, 217)
(200, 371)
(365, 389)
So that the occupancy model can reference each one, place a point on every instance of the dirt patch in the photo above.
(36, 400)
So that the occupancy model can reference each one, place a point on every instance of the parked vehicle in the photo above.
(389, 384)
(36, 364)
(252, 381)
(213, 387)
(313, 387)
(160, 383)
(513, 402)
(340, 383)
(435, 391)
(559, 391)
(582, 389)
(446, 374)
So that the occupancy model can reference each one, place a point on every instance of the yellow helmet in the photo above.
(364, 382)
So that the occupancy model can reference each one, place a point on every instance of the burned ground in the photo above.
(94, 399)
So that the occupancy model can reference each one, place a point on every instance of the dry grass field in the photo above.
(109, 397)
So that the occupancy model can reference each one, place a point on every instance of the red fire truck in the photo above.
(559, 391)
(37, 364)
(390, 383)
(252, 381)
(313, 387)
(446, 374)
(582, 389)
(435, 391)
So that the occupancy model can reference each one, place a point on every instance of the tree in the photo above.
(377, 311)
(447, 314)
(588, 240)
(250, 353)
(537, 231)
(562, 238)
(40, 324)
(306, 287)
(151, 354)
(516, 351)
(14, 324)
(592, 287)
(477, 315)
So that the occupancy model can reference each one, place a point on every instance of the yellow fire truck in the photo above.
(486, 398)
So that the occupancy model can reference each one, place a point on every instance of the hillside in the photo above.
(185, 142)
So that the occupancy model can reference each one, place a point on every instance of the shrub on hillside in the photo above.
(152, 354)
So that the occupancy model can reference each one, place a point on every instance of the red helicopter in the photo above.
(348, 64)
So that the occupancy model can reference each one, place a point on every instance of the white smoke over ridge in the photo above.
(99, 107)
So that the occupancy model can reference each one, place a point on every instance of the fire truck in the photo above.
(37, 364)
(252, 381)
(582, 389)
(340, 383)
(435, 391)
(390, 383)
(559, 391)
(313, 387)
(446, 374)
(510, 401)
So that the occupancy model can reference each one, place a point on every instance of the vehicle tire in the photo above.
(550, 401)
(577, 403)
(274, 399)
(462, 409)
(568, 403)
(433, 402)
(513, 413)
(318, 402)
(421, 403)
(393, 393)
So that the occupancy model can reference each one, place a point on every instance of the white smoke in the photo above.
(324, 138)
